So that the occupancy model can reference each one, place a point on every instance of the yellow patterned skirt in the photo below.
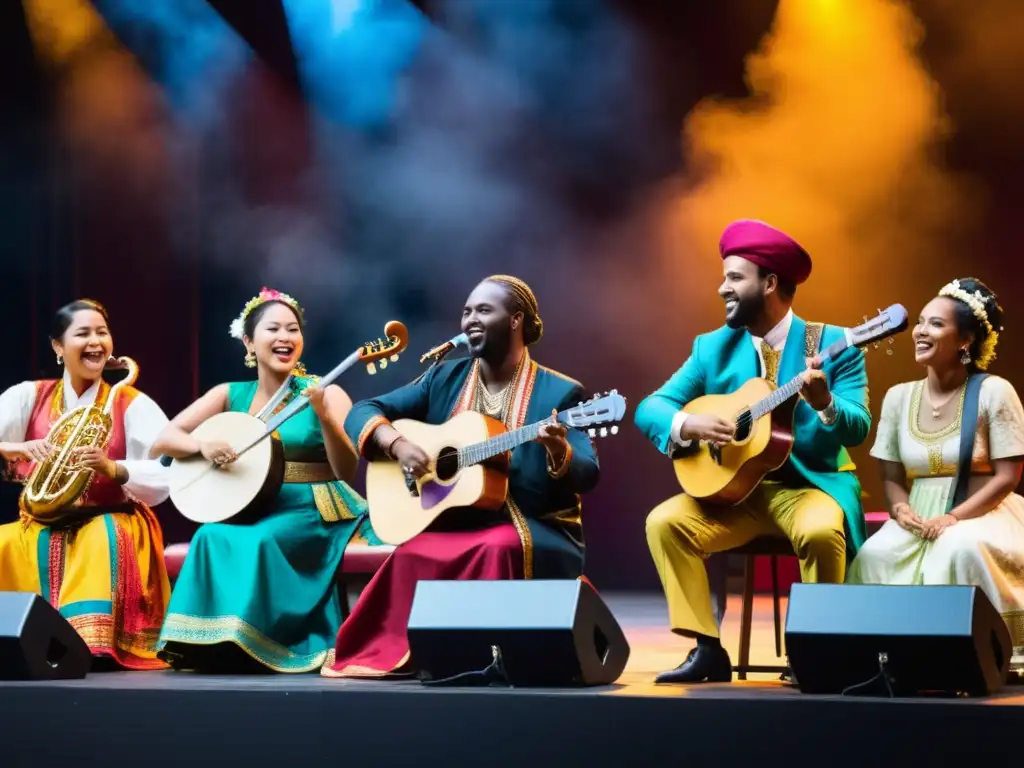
(106, 576)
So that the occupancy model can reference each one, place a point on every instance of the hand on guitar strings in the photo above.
(551, 434)
(94, 458)
(708, 428)
(814, 389)
(219, 453)
(414, 460)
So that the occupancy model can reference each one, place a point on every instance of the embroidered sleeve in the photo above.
(1005, 416)
(887, 437)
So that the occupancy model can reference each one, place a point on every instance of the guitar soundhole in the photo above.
(743, 424)
(447, 464)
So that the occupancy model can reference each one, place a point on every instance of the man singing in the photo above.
(814, 498)
(537, 534)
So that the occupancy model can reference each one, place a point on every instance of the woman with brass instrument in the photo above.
(264, 595)
(87, 540)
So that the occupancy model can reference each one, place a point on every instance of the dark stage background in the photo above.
(377, 160)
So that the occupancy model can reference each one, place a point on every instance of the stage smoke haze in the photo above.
(838, 145)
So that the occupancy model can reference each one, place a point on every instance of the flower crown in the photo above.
(265, 295)
(976, 303)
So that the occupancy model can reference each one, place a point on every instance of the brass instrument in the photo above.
(57, 483)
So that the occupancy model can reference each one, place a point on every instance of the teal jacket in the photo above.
(724, 359)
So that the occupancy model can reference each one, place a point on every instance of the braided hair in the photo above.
(522, 300)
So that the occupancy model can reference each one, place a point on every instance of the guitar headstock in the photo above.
(886, 324)
(387, 348)
(600, 409)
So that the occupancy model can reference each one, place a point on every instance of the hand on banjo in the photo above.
(220, 453)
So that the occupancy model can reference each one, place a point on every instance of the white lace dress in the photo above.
(986, 551)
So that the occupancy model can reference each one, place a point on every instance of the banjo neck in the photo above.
(296, 406)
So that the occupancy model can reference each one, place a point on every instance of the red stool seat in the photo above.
(360, 558)
(875, 520)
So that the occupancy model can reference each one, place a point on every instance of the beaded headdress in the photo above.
(267, 294)
(975, 301)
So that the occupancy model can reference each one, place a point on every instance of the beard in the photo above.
(495, 344)
(746, 311)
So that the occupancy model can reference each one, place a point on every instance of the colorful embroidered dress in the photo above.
(537, 535)
(105, 575)
(270, 588)
(986, 551)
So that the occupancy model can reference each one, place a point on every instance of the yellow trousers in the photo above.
(681, 533)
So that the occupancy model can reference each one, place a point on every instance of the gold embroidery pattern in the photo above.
(344, 513)
(199, 630)
(812, 338)
(331, 504)
(525, 537)
(914, 413)
(308, 472)
(357, 670)
(771, 362)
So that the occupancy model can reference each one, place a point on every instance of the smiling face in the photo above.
(937, 340)
(276, 338)
(487, 321)
(85, 345)
(743, 290)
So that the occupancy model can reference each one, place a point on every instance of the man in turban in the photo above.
(814, 498)
(537, 534)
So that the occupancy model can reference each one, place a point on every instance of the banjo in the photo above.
(241, 490)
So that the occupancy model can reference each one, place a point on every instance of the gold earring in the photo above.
(250, 359)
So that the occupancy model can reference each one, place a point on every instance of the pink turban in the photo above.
(767, 247)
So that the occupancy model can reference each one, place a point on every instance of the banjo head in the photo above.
(207, 494)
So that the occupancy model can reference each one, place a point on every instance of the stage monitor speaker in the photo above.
(550, 633)
(928, 639)
(37, 643)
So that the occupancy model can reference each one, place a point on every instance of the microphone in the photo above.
(462, 340)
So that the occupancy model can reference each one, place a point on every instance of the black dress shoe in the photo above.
(705, 664)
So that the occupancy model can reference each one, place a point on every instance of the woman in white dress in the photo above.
(105, 570)
(934, 538)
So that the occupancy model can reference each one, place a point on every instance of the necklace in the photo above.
(496, 405)
(937, 409)
(493, 404)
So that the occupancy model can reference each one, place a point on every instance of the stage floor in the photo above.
(169, 718)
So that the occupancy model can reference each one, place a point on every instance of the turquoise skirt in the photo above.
(269, 588)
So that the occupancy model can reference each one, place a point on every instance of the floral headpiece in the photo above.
(265, 295)
(976, 303)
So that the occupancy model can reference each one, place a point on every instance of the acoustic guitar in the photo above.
(241, 491)
(470, 457)
(763, 415)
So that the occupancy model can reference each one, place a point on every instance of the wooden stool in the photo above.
(773, 547)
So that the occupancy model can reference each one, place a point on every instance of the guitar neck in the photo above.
(478, 452)
(792, 387)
